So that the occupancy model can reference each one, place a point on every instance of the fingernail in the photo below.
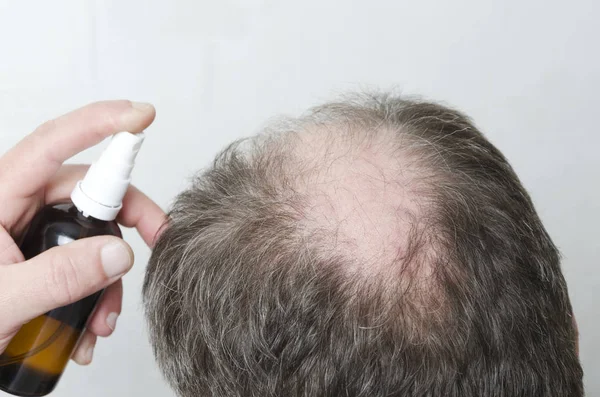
(135, 116)
(89, 354)
(142, 106)
(116, 259)
(111, 321)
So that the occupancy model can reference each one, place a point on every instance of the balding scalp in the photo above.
(376, 246)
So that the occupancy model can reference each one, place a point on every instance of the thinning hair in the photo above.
(375, 246)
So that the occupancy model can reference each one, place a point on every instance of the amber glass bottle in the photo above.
(36, 357)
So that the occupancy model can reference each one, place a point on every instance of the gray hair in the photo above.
(267, 282)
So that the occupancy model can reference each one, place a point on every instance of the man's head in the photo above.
(374, 247)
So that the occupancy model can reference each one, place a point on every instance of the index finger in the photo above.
(28, 166)
(143, 214)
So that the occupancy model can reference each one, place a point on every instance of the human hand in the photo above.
(31, 176)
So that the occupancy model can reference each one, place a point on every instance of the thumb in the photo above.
(60, 276)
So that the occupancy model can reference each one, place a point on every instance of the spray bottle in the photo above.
(36, 357)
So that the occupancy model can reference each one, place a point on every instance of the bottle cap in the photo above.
(100, 193)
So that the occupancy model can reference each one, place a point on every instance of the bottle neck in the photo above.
(88, 220)
(91, 206)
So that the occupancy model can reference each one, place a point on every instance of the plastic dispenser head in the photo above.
(100, 193)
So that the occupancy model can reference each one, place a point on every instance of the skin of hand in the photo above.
(32, 175)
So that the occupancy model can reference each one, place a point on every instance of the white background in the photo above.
(527, 71)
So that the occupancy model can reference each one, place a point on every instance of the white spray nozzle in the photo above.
(100, 194)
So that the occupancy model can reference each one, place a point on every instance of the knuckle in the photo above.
(46, 127)
(110, 122)
(109, 114)
(63, 282)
